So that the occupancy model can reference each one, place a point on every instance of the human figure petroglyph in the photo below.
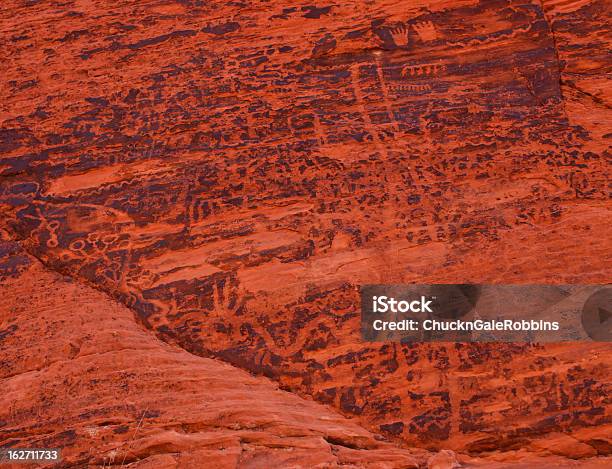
(427, 70)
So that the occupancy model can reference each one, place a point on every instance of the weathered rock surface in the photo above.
(232, 172)
(445, 459)
(77, 372)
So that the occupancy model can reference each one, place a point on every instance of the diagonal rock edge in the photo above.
(167, 337)
(247, 421)
(79, 334)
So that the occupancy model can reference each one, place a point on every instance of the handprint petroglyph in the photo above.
(399, 35)
(426, 31)
(229, 298)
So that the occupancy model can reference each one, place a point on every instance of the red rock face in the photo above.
(233, 172)
(80, 374)
(77, 372)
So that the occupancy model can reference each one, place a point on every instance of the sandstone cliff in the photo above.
(231, 172)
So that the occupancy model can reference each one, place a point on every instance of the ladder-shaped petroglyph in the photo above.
(383, 85)
(197, 208)
(411, 87)
(368, 124)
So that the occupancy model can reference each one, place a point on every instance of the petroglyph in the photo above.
(411, 87)
(457, 150)
(422, 70)
(426, 31)
(399, 34)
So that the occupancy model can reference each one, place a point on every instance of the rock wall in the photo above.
(78, 373)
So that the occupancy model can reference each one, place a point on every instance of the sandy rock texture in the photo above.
(78, 372)
(232, 172)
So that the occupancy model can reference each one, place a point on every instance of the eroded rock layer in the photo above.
(232, 172)
(78, 373)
